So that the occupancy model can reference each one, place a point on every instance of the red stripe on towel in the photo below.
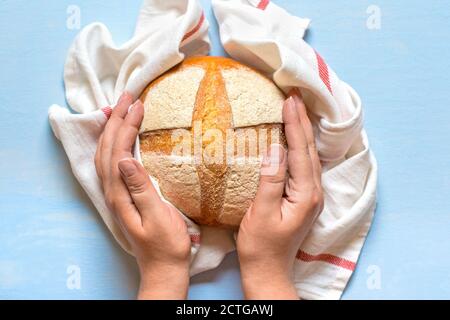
(328, 258)
(107, 111)
(323, 71)
(263, 4)
(306, 257)
(196, 28)
(195, 238)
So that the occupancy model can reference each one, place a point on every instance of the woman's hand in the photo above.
(156, 231)
(284, 209)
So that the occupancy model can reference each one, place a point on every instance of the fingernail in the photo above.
(127, 167)
(276, 155)
(292, 92)
(296, 92)
(138, 103)
(291, 104)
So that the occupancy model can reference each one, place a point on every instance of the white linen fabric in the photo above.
(265, 36)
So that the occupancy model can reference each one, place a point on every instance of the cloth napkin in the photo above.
(260, 34)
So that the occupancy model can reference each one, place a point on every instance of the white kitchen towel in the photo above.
(258, 33)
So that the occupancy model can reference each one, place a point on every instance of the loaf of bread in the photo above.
(206, 126)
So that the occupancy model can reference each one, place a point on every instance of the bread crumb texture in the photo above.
(169, 103)
(254, 99)
(177, 179)
(209, 97)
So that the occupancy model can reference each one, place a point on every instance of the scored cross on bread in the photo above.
(207, 123)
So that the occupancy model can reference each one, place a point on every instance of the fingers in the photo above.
(125, 137)
(299, 161)
(272, 181)
(309, 134)
(117, 196)
(128, 131)
(98, 157)
(102, 154)
(140, 187)
(110, 132)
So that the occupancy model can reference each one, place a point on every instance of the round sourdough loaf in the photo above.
(206, 126)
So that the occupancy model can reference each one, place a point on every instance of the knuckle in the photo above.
(304, 150)
(182, 249)
(312, 146)
(138, 234)
(322, 202)
(311, 200)
(109, 199)
(113, 202)
(316, 199)
(96, 162)
(274, 178)
(98, 167)
(137, 185)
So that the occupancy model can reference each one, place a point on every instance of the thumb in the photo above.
(272, 180)
(140, 187)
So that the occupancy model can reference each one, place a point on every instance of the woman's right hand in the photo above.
(156, 230)
(284, 209)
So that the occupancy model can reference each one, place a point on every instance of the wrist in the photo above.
(168, 282)
(264, 283)
(272, 288)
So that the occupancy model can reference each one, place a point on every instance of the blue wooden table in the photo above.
(49, 231)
